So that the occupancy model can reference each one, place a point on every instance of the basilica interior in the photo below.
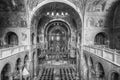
(59, 39)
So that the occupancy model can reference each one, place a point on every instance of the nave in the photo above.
(57, 71)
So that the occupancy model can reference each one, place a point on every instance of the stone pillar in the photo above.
(21, 68)
(35, 65)
(31, 68)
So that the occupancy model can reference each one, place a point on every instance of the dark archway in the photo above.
(32, 38)
(115, 76)
(101, 39)
(58, 35)
(5, 74)
(17, 69)
(100, 74)
(38, 40)
(39, 55)
(11, 39)
(34, 64)
(18, 64)
(26, 61)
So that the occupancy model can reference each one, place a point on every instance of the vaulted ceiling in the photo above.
(94, 7)
(56, 10)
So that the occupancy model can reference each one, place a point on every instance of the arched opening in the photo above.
(38, 40)
(34, 64)
(6, 71)
(18, 64)
(17, 69)
(101, 39)
(40, 56)
(100, 74)
(26, 61)
(60, 15)
(57, 36)
(115, 76)
(33, 38)
(11, 39)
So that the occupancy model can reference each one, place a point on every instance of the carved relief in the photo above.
(95, 23)
(91, 22)
(100, 23)
(24, 36)
(23, 23)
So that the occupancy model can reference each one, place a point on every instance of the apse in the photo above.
(57, 17)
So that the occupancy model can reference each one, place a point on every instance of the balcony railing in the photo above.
(107, 54)
(6, 52)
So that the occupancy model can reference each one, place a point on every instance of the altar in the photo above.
(54, 62)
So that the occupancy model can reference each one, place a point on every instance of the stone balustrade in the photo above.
(108, 54)
(7, 52)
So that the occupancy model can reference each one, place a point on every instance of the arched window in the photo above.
(26, 61)
(6, 72)
(32, 38)
(100, 39)
(17, 69)
(11, 39)
(18, 64)
(34, 58)
(100, 74)
(38, 40)
(115, 76)
(38, 52)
